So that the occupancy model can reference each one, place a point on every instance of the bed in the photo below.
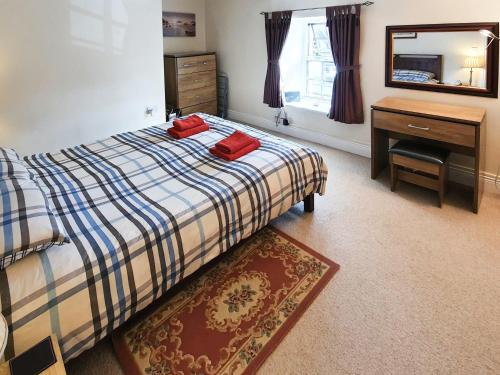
(143, 211)
(410, 68)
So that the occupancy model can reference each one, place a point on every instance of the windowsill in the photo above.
(311, 105)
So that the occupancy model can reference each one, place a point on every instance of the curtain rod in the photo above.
(366, 3)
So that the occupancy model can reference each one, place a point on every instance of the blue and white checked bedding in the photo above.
(143, 211)
(413, 76)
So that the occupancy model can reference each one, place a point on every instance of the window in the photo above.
(307, 64)
(320, 68)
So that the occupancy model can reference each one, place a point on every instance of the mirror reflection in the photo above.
(455, 58)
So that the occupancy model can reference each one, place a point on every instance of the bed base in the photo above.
(309, 203)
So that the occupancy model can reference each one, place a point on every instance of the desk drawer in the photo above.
(195, 81)
(198, 96)
(195, 64)
(451, 132)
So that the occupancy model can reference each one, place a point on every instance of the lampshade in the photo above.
(4, 334)
(473, 62)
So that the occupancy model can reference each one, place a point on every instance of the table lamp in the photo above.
(473, 62)
(4, 334)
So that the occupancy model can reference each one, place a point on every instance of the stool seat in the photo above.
(419, 151)
(419, 164)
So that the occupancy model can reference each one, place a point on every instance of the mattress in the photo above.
(143, 212)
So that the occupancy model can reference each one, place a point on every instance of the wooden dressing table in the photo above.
(455, 128)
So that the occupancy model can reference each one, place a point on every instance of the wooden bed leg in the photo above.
(309, 203)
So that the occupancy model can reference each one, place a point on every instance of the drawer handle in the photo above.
(418, 127)
(191, 65)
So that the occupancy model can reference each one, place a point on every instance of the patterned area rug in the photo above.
(229, 317)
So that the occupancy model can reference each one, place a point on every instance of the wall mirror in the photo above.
(452, 58)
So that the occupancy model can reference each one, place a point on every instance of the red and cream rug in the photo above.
(231, 316)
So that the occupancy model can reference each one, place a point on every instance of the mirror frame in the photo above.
(491, 90)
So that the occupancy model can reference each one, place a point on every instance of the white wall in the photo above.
(235, 30)
(187, 44)
(75, 71)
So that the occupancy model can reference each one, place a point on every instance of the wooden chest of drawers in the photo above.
(190, 82)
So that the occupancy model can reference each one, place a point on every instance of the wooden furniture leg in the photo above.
(394, 175)
(309, 203)
(479, 165)
(442, 184)
(380, 151)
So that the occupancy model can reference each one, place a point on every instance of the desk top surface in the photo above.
(463, 114)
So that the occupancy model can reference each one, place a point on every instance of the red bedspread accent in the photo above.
(254, 145)
(188, 123)
(235, 142)
(187, 133)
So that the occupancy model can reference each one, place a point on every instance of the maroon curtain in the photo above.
(277, 27)
(344, 28)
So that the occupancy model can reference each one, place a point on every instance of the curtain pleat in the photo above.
(344, 29)
(277, 27)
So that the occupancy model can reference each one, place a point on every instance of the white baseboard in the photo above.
(465, 175)
(458, 173)
(300, 133)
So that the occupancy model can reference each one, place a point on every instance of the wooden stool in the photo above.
(419, 164)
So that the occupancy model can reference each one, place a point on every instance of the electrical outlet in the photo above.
(148, 112)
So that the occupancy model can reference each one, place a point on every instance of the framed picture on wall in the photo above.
(179, 24)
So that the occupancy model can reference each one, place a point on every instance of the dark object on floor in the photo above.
(37, 359)
(419, 164)
(222, 94)
(232, 315)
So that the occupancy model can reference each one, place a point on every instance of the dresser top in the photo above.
(468, 115)
(188, 54)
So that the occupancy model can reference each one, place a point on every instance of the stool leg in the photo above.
(442, 185)
(394, 176)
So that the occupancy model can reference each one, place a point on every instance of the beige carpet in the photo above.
(418, 291)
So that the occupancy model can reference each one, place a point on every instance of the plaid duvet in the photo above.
(143, 211)
(412, 75)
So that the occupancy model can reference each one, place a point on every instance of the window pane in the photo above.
(314, 70)
(313, 88)
(319, 41)
(328, 72)
(327, 90)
